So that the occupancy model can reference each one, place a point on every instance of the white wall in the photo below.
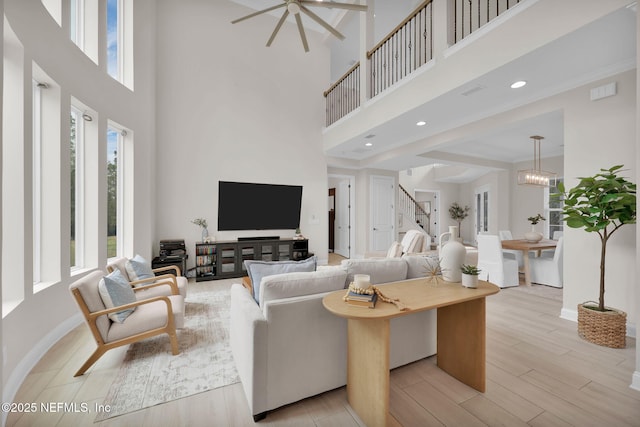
(231, 109)
(25, 336)
(528, 201)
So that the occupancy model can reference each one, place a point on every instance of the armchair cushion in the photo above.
(148, 316)
(259, 269)
(139, 268)
(115, 291)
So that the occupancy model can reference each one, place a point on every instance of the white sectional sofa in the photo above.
(289, 347)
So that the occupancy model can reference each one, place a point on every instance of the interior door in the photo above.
(382, 210)
(343, 215)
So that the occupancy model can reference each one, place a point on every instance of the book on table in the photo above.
(360, 300)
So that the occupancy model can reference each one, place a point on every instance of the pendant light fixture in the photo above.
(536, 176)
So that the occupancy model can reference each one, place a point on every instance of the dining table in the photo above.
(527, 246)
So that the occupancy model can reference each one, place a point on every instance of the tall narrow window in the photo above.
(76, 23)
(114, 191)
(37, 179)
(482, 210)
(76, 149)
(114, 39)
(553, 206)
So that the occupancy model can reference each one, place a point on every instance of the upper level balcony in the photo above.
(451, 62)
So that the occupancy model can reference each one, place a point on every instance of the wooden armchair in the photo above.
(180, 282)
(153, 316)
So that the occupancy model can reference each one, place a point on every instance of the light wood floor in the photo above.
(539, 372)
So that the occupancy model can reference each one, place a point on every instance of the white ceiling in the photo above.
(600, 49)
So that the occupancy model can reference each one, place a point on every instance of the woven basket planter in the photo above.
(606, 328)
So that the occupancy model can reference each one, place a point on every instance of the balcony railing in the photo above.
(344, 95)
(405, 49)
(469, 15)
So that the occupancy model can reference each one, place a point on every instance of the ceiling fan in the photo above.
(294, 7)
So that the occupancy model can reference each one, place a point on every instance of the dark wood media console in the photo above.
(225, 259)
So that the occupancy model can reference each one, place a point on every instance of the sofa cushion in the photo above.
(115, 291)
(418, 265)
(381, 270)
(259, 269)
(289, 285)
(139, 268)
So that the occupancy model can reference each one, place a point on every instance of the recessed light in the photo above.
(368, 144)
(421, 123)
(518, 84)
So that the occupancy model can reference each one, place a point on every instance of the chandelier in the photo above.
(536, 176)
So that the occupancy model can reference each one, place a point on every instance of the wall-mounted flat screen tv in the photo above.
(250, 206)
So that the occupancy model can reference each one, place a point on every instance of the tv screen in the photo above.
(248, 206)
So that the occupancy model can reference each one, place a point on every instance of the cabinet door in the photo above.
(247, 251)
(285, 252)
(227, 259)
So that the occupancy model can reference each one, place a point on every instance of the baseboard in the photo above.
(635, 381)
(30, 360)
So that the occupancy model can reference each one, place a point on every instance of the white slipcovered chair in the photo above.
(511, 253)
(547, 270)
(494, 266)
(150, 317)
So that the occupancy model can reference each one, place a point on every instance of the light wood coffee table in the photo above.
(461, 338)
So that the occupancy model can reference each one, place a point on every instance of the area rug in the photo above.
(151, 375)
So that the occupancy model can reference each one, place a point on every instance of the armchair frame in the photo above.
(103, 347)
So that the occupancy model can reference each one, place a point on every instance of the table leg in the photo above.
(527, 271)
(368, 370)
(462, 342)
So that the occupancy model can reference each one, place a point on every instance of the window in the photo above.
(76, 174)
(37, 178)
(120, 40)
(553, 209)
(76, 23)
(482, 210)
(114, 191)
(114, 39)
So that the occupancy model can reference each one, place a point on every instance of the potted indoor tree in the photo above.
(601, 204)
(458, 214)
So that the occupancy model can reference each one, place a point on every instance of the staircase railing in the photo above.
(411, 207)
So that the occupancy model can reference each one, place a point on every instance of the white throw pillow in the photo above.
(139, 268)
(395, 251)
(259, 269)
(115, 291)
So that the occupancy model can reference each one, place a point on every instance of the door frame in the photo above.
(352, 209)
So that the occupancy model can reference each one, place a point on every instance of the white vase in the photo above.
(452, 256)
(205, 235)
(533, 236)
(469, 280)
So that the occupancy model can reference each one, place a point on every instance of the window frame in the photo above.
(37, 180)
(548, 210)
(79, 190)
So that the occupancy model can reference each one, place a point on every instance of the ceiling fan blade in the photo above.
(269, 9)
(275, 31)
(303, 36)
(322, 22)
(331, 5)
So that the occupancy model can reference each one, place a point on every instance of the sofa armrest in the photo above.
(248, 338)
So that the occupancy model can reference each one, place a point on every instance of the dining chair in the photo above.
(511, 253)
(547, 270)
(494, 266)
